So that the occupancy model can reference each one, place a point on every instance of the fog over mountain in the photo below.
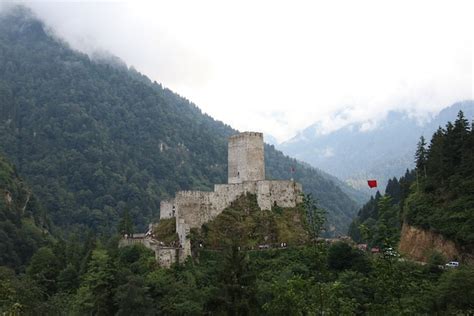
(359, 152)
(277, 67)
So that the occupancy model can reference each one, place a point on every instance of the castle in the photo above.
(246, 174)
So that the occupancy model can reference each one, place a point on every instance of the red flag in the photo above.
(372, 183)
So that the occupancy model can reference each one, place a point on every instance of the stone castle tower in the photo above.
(246, 174)
(246, 158)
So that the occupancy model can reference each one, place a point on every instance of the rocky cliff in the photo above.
(418, 244)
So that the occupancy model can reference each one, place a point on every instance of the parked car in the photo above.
(452, 264)
(390, 252)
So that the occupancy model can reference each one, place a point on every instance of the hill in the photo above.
(435, 201)
(355, 155)
(96, 139)
(244, 224)
(23, 222)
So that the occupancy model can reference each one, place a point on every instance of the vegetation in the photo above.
(437, 195)
(23, 224)
(244, 225)
(378, 222)
(165, 231)
(96, 139)
(307, 280)
(442, 199)
(101, 145)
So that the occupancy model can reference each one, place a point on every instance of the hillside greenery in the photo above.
(96, 139)
(438, 195)
(245, 225)
(97, 278)
(100, 145)
(354, 153)
(443, 198)
(86, 274)
(379, 221)
(23, 222)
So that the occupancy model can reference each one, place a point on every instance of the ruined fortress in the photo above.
(246, 174)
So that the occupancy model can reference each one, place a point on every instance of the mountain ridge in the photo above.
(381, 153)
(95, 139)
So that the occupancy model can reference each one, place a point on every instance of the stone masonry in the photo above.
(246, 174)
(245, 158)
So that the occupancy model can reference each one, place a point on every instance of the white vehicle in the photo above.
(390, 252)
(452, 264)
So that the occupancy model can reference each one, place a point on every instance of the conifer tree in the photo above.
(420, 157)
(126, 224)
(435, 161)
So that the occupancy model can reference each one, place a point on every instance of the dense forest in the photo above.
(438, 195)
(96, 139)
(24, 225)
(92, 147)
(379, 221)
(443, 198)
(96, 277)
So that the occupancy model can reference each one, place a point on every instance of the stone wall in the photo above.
(278, 192)
(166, 256)
(246, 171)
(246, 158)
(195, 208)
(167, 209)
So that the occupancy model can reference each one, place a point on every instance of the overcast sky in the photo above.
(278, 66)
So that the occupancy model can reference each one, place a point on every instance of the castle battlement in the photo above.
(246, 134)
(192, 194)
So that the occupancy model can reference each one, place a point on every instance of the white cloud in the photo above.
(278, 66)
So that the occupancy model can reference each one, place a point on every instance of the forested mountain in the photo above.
(443, 199)
(95, 138)
(355, 155)
(378, 222)
(437, 196)
(97, 277)
(23, 222)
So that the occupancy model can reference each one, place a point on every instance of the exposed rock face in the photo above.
(418, 244)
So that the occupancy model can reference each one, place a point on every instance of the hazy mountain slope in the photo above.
(433, 200)
(354, 155)
(95, 138)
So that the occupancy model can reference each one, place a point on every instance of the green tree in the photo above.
(315, 216)
(455, 291)
(420, 157)
(44, 269)
(237, 282)
(295, 296)
(126, 224)
(132, 298)
(95, 295)
(341, 256)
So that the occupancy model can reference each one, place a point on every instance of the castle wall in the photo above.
(195, 208)
(166, 256)
(246, 170)
(167, 209)
(278, 192)
(246, 158)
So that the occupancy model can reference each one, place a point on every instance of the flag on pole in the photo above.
(372, 183)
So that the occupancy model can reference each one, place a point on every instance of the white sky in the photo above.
(279, 66)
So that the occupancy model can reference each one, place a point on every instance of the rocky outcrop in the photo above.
(418, 244)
